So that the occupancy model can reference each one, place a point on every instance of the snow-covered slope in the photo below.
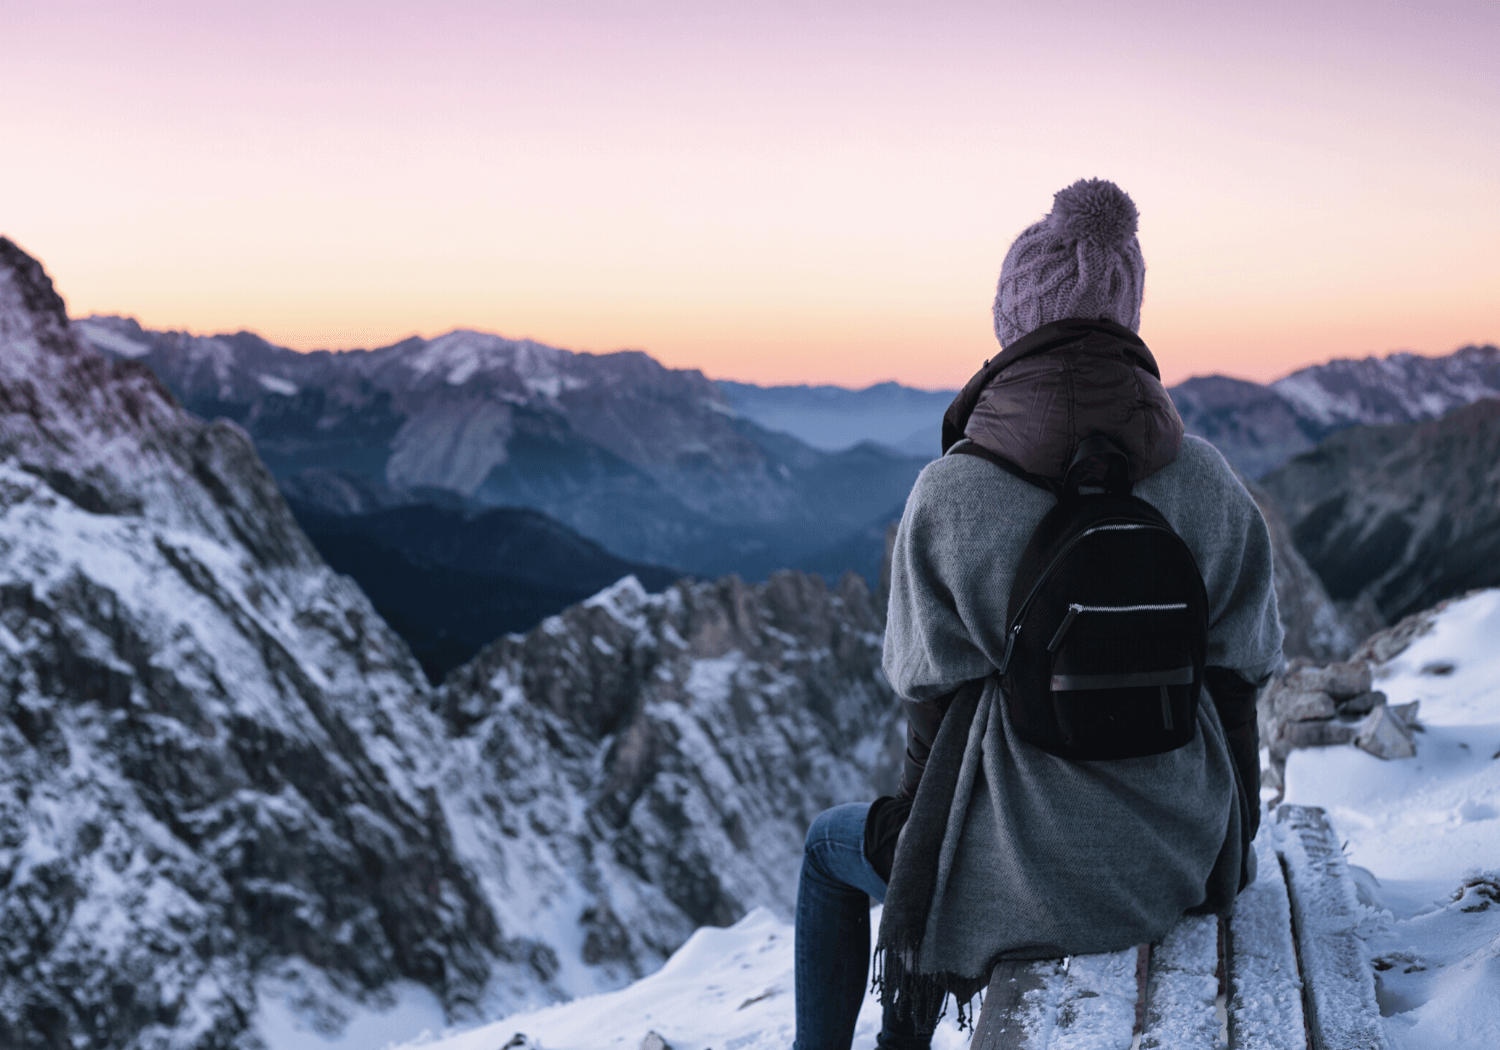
(1427, 829)
(727, 988)
(215, 761)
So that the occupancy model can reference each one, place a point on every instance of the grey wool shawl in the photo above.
(1011, 852)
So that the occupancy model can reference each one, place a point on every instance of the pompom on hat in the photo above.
(1082, 260)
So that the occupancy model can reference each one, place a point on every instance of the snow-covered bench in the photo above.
(1291, 970)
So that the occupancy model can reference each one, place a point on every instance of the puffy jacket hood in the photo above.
(1034, 402)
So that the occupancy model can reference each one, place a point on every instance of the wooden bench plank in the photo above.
(1020, 1006)
(1339, 983)
(1265, 988)
(1090, 1001)
(1184, 988)
(1084, 1003)
(1097, 1008)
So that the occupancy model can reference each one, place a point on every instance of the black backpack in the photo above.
(1107, 630)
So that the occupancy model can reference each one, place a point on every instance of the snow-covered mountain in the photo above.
(215, 764)
(228, 796)
(1400, 388)
(652, 462)
(1258, 428)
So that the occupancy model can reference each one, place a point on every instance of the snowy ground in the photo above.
(1427, 832)
(1424, 833)
(725, 989)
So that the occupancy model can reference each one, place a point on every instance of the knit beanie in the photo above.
(1082, 260)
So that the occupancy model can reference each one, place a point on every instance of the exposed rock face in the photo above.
(688, 738)
(649, 461)
(1402, 516)
(221, 774)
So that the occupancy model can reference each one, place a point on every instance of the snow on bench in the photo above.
(1169, 993)
(1341, 1010)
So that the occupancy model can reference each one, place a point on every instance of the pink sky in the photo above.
(776, 192)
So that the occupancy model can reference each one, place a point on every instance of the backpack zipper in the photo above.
(1010, 642)
(1075, 609)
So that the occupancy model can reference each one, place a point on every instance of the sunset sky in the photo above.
(774, 192)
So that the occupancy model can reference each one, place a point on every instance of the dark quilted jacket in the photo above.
(1036, 400)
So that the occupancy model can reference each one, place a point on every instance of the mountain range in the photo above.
(644, 469)
(651, 462)
(226, 783)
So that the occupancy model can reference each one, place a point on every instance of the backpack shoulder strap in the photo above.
(969, 448)
(1101, 463)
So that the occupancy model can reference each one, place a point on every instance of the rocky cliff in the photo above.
(671, 748)
(1315, 627)
(212, 758)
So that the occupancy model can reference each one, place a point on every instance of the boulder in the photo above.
(1302, 706)
(1327, 732)
(1408, 714)
(1385, 735)
(1362, 704)
(1344, 681)
(1340, 681)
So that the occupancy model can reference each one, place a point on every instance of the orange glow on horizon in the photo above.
(772, 193)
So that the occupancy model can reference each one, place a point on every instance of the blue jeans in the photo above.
(833, 936)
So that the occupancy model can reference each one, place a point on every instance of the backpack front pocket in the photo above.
(1123, 681)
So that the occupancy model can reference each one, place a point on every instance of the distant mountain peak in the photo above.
(1398, 388)
(461, 354)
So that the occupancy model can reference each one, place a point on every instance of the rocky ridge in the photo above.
(211, 758)
(675, 746)
(1260, 427)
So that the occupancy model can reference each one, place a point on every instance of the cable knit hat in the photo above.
(1082, 260)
